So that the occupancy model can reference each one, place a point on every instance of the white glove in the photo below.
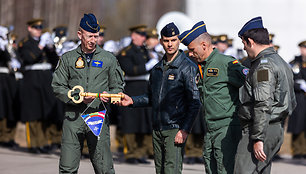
(302, 84)
(3, 44)
(150, 64)
(3, 32)
(46, 40)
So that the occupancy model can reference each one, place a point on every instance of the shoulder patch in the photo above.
(235, 61)
(262, 75)
(264, 61)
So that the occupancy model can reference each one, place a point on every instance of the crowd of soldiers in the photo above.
(26, 95)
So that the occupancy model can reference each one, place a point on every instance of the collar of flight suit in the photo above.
(269, 50)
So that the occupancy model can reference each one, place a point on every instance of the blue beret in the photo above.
(252, 24)
(188, 36)
(90, 23)
(170, 30)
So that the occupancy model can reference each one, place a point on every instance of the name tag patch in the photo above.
(212, 72)
(96, 63)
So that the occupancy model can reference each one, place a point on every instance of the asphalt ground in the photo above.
(15, 161)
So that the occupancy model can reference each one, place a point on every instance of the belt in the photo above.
(141, 77)
(4, 70)
(38, 66)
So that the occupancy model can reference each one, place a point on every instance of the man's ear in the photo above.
(203, 45)
(251, 41)
(79, 34)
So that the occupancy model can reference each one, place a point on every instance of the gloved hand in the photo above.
(46, 40)
(302, 84)
(150, 64)
(3, 44)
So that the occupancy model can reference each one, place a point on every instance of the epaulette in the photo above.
(123, 51)
(20, 44)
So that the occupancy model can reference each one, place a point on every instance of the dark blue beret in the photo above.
(170, 30)
(90, 23)
(252, 24)
(188, 36)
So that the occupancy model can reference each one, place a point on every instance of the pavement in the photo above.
(20, 161)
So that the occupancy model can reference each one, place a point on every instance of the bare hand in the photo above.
(180, 137)
(104, 99)
(88, 99)
(126, 101)
(258, 151)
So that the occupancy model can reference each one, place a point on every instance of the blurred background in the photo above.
(284, 18)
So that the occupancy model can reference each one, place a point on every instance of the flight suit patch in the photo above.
(96, 63)
(263, 75)
(79, 63)
(212, 72)
(171, 77)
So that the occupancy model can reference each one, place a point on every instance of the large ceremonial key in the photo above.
(114, 97)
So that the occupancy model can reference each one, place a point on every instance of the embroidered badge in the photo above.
(96, 63)
(263, 61)
(245, 71)
(79, 63)
(171, 77)
(235, 61)
(212, 72)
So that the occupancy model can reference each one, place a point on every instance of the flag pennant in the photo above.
(95, 121)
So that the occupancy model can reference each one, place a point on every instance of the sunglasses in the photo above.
(37, 26)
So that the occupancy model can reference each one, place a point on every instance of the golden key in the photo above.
(114, 97)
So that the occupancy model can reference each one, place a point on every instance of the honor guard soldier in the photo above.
(175, 102)
(136, 124)
(97, 71)
(297, 121)
(35, 86)
(267, 99)
(8, 104)
(219, 83)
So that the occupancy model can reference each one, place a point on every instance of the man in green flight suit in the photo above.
(267, 98)
(95, 70)
(221, 77)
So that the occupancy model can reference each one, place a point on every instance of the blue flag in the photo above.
(94, 121)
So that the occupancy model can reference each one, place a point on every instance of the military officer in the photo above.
(8, 88)
(174, 97)
(221, 77)
(297, 121)
(267, 98)
(136, 124)
(35, 86)
(96, 70)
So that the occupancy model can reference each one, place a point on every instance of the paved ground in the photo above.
(19, 161)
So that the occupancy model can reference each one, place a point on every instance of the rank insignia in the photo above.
(171, 77)
(79, 63)
(212, 72)
(96, 63)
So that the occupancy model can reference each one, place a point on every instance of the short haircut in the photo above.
(258, 35)
(204, 37)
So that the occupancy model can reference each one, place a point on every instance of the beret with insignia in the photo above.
(188, 36)
(252, 24)
(89, 23)
(170, 30)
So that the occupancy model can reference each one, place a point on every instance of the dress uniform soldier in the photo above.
(136, 124)
(174, 98)
(297, 121)
(101, 36)
(35, 86)
(96, 70)
(8, 88)
(221, 77)
(267, 98)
